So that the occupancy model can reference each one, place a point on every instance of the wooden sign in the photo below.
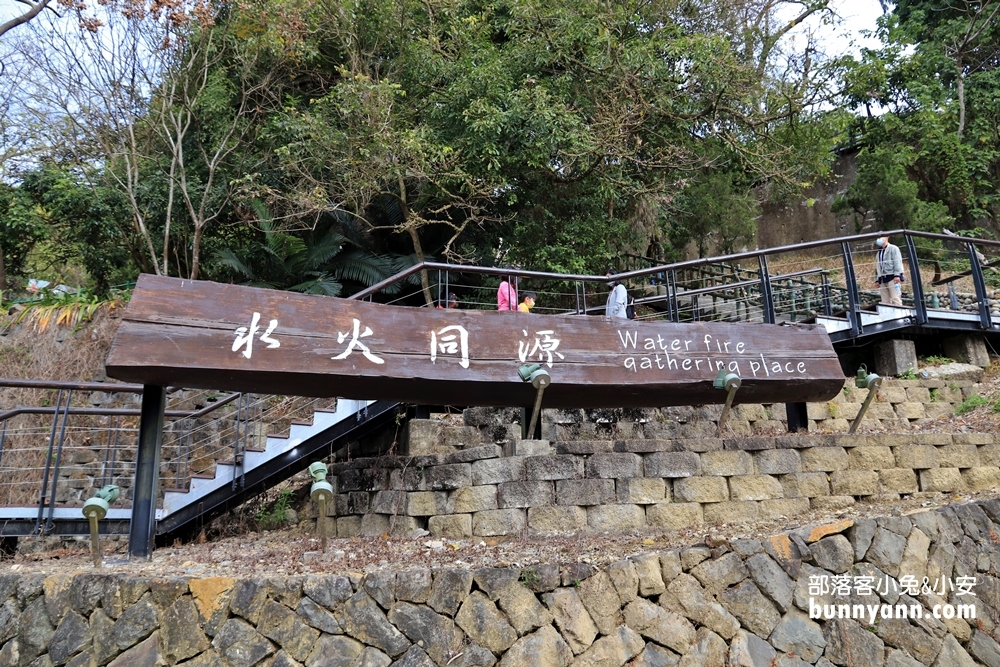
(215, 336)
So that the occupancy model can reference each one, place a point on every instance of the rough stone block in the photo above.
(818, 411)
(725, 512)
(583, 446)
(959, 456)
(753, 412)
(805, 485)
(778, 462)
(989, 455)
(701, 489)
(910, 411)
(746, 444)
(941, 480)
(348, 526)
(423, 436)
(848, 411)
(460, 437)
(938, 410)
(898, 480)
(982, 478)
(755, 487)
(553, 467)
(472, 499)
(524, 494)
(616, 518)
(614, 466)
(870, 458)
(446, 477)
(528, 448)
(494, 471)
(426, 503)
(556, 519)
(585, 491)
(918, 395)
(674, 516)
(726, 463)
(967, 349)
(824, 459)
(499, 522)
(642, 490)
(916, 457)
(895, 357)
(831, 502)
(893, 394)
(854, 482)
(695, 443)
(453, 526)
(643, 446)
(783, 507)
(374, 525)
(880, 410)
(682, 464)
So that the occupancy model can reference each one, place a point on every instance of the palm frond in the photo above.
(228, 258)
(322, 284)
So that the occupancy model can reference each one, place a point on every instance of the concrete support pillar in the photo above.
(968, 349)
(895, 357)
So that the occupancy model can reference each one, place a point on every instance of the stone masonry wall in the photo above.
(622, 485)
(744, 603)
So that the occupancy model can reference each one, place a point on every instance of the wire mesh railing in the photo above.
(828, 278)
(59, 454)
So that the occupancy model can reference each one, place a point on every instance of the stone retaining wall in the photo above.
(744, 603)
(899, 405)
(616, 485)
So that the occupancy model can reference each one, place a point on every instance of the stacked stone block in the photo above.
(742, 602)
(616, 485)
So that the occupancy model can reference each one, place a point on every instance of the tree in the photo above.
(716, 214)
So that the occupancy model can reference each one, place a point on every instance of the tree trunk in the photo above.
(3, 276)
(418, 249)
(960, 86)
(196, 250)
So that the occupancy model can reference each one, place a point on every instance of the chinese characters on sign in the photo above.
(451, 340)
(545, 345)
(244, 336)
(356, 343)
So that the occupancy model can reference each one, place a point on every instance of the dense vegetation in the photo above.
(322, 145)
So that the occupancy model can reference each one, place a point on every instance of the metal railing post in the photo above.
(853, 297)
(765, 291)
(980, 281)
(48, 460)
(142, 528)
(918, 286)
(55, 468)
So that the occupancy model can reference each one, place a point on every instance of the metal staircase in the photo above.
(185, 512)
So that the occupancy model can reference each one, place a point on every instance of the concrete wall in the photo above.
(743, 603)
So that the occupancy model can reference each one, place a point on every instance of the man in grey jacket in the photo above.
(889, 272)
(617, 300)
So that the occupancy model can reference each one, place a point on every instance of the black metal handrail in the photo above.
(667, 274)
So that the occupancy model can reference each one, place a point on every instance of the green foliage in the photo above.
(971, 403)
(716, 214)
(936, 360)
(908, 374)
(274, 515)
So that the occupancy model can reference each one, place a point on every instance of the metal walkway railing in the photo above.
(950, 282)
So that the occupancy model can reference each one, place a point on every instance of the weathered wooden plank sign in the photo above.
(209, 335)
